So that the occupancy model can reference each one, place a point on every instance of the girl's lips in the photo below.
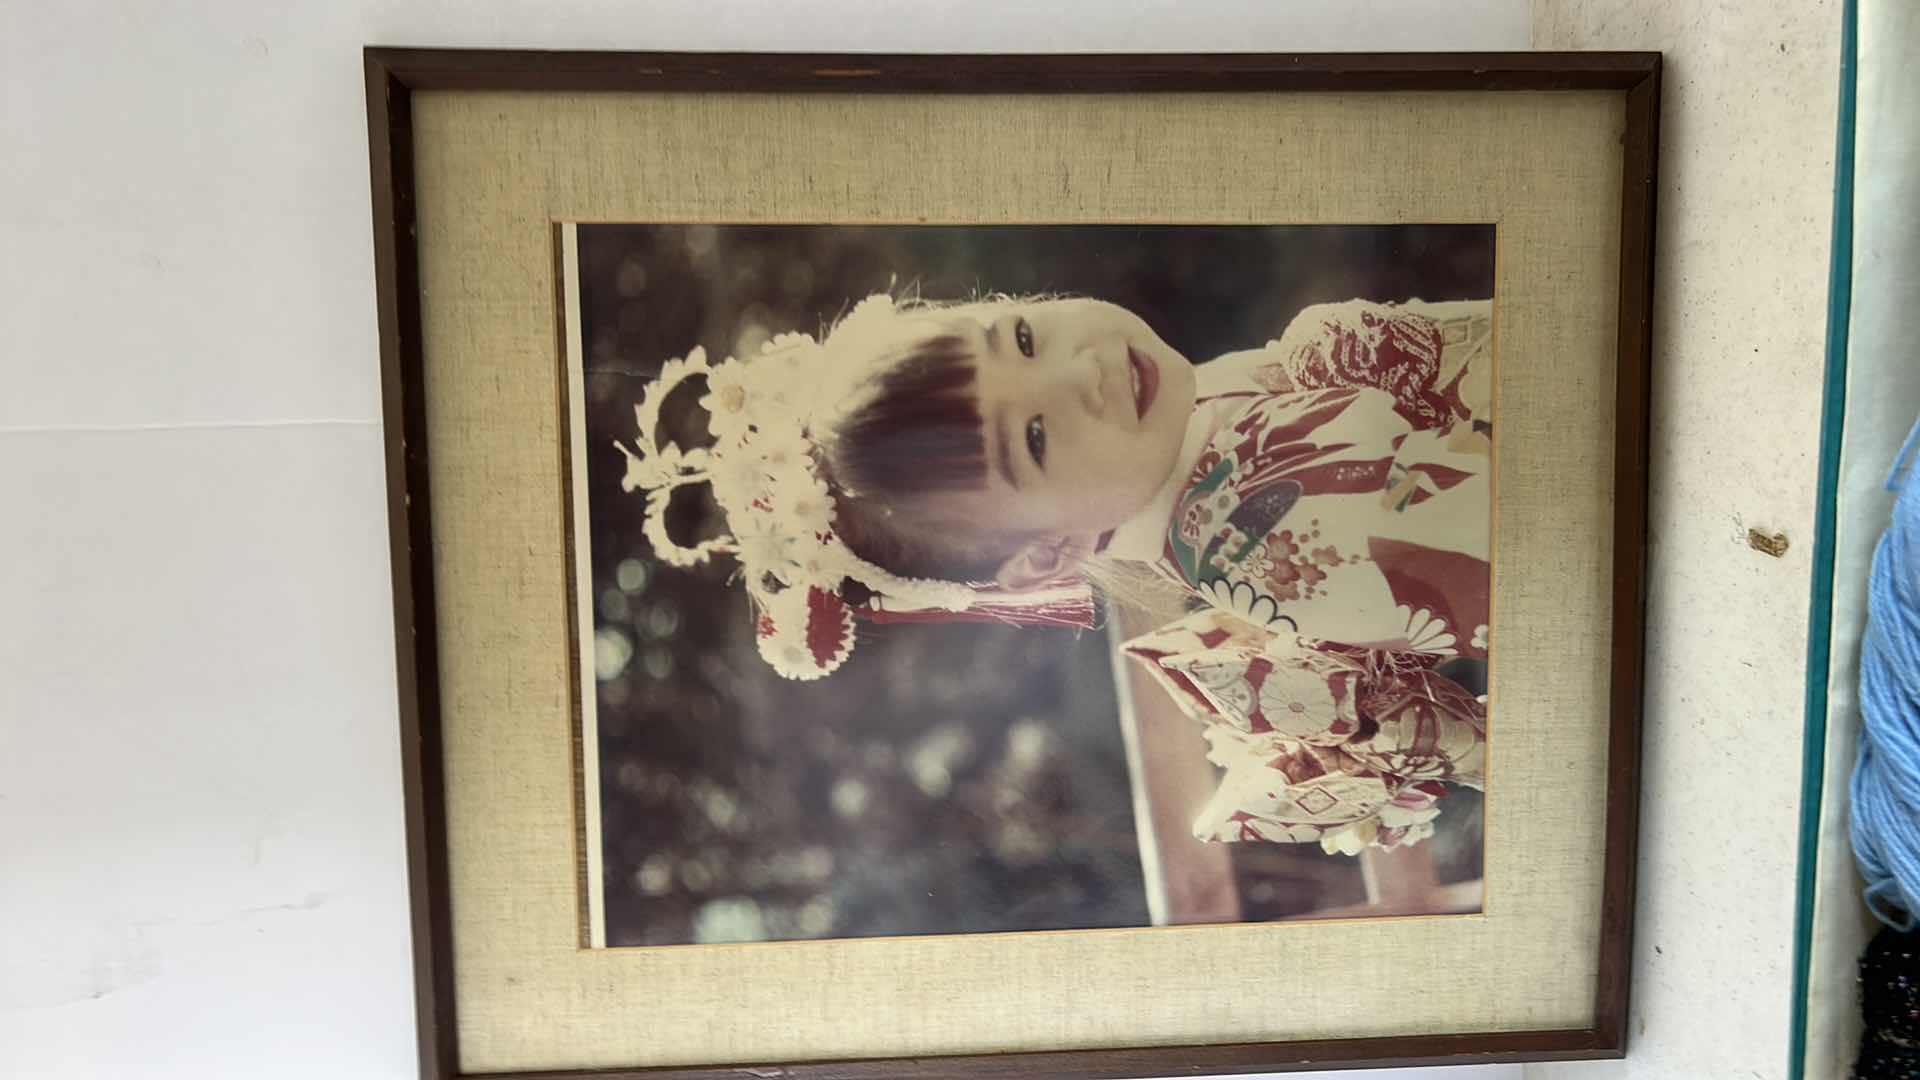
(1146, 380)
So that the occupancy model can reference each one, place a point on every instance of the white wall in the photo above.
(200, 821)
(1749, 103)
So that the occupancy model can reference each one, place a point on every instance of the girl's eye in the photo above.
(1023, 337)
(1037, 441)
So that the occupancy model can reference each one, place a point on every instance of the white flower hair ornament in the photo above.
(764, 472)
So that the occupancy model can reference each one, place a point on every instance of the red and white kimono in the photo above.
(1337, 525)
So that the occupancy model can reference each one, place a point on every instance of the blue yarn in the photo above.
(1886, 776)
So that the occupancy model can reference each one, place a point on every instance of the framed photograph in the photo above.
(957, 566)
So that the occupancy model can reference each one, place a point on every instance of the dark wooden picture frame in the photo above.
(393, 75)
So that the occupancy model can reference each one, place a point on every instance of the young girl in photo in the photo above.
(1321, 505)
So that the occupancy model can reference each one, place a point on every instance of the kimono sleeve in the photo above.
(1341, 746)
(1434, 359)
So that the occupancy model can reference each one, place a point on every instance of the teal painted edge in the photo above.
(1833, 408)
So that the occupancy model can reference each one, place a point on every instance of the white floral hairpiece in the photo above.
(764, 472)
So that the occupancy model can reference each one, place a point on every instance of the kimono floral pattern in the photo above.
(1252, 475)
(1430, 357)
(1351, 748)
(1287, 521)
(1335, 527)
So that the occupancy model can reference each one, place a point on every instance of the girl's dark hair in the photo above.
(914, 431)
(919, 428)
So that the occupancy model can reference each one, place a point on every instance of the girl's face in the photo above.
(1084, 410)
